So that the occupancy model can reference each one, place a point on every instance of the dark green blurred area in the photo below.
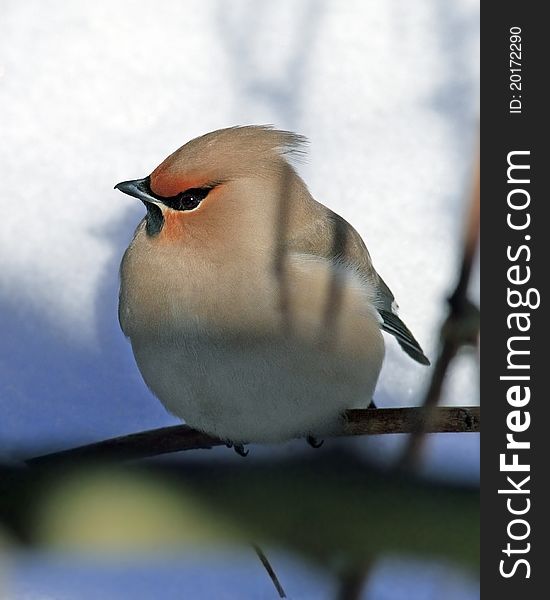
(334, 512)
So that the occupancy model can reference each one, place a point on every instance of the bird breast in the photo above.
(245, 351)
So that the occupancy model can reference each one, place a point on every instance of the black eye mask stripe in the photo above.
(186, 200)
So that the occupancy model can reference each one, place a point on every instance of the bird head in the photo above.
(229, 175)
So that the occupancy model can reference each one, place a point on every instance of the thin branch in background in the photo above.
(279, 259)
(369, 421)
(459, 329)
(335, 289)
(470, 242)
(270, 571)
(352, 583)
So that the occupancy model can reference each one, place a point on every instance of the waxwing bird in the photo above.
(254, 312)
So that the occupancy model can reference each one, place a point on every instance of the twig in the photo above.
(272, 575)
(370, 421)
(379, 421)
(279, 259)
(352, 583)
(460, 328)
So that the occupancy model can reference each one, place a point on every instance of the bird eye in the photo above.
(190, 199)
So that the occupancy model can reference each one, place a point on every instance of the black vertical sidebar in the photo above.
(515, 268)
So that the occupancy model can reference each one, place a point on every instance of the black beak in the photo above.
(138, 188)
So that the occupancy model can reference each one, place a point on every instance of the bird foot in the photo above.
(372, 404)
(314, 442)
(239, 448)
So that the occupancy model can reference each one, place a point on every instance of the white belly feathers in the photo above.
(233, 370)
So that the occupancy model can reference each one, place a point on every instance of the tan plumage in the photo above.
(254, 312)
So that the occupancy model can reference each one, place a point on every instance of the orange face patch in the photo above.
(174, 225)
(167, 184)
(179, 224)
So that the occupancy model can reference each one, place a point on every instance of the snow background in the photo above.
(95, 93)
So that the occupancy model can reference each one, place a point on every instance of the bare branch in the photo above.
(379, 421)
(270, 571)
(351, 583)
(370, 421)
(459, 329)
(279, 262)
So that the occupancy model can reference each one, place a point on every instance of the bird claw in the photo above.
(239, 449)
(314, 442)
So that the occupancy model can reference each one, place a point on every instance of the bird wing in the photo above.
(328, 235)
